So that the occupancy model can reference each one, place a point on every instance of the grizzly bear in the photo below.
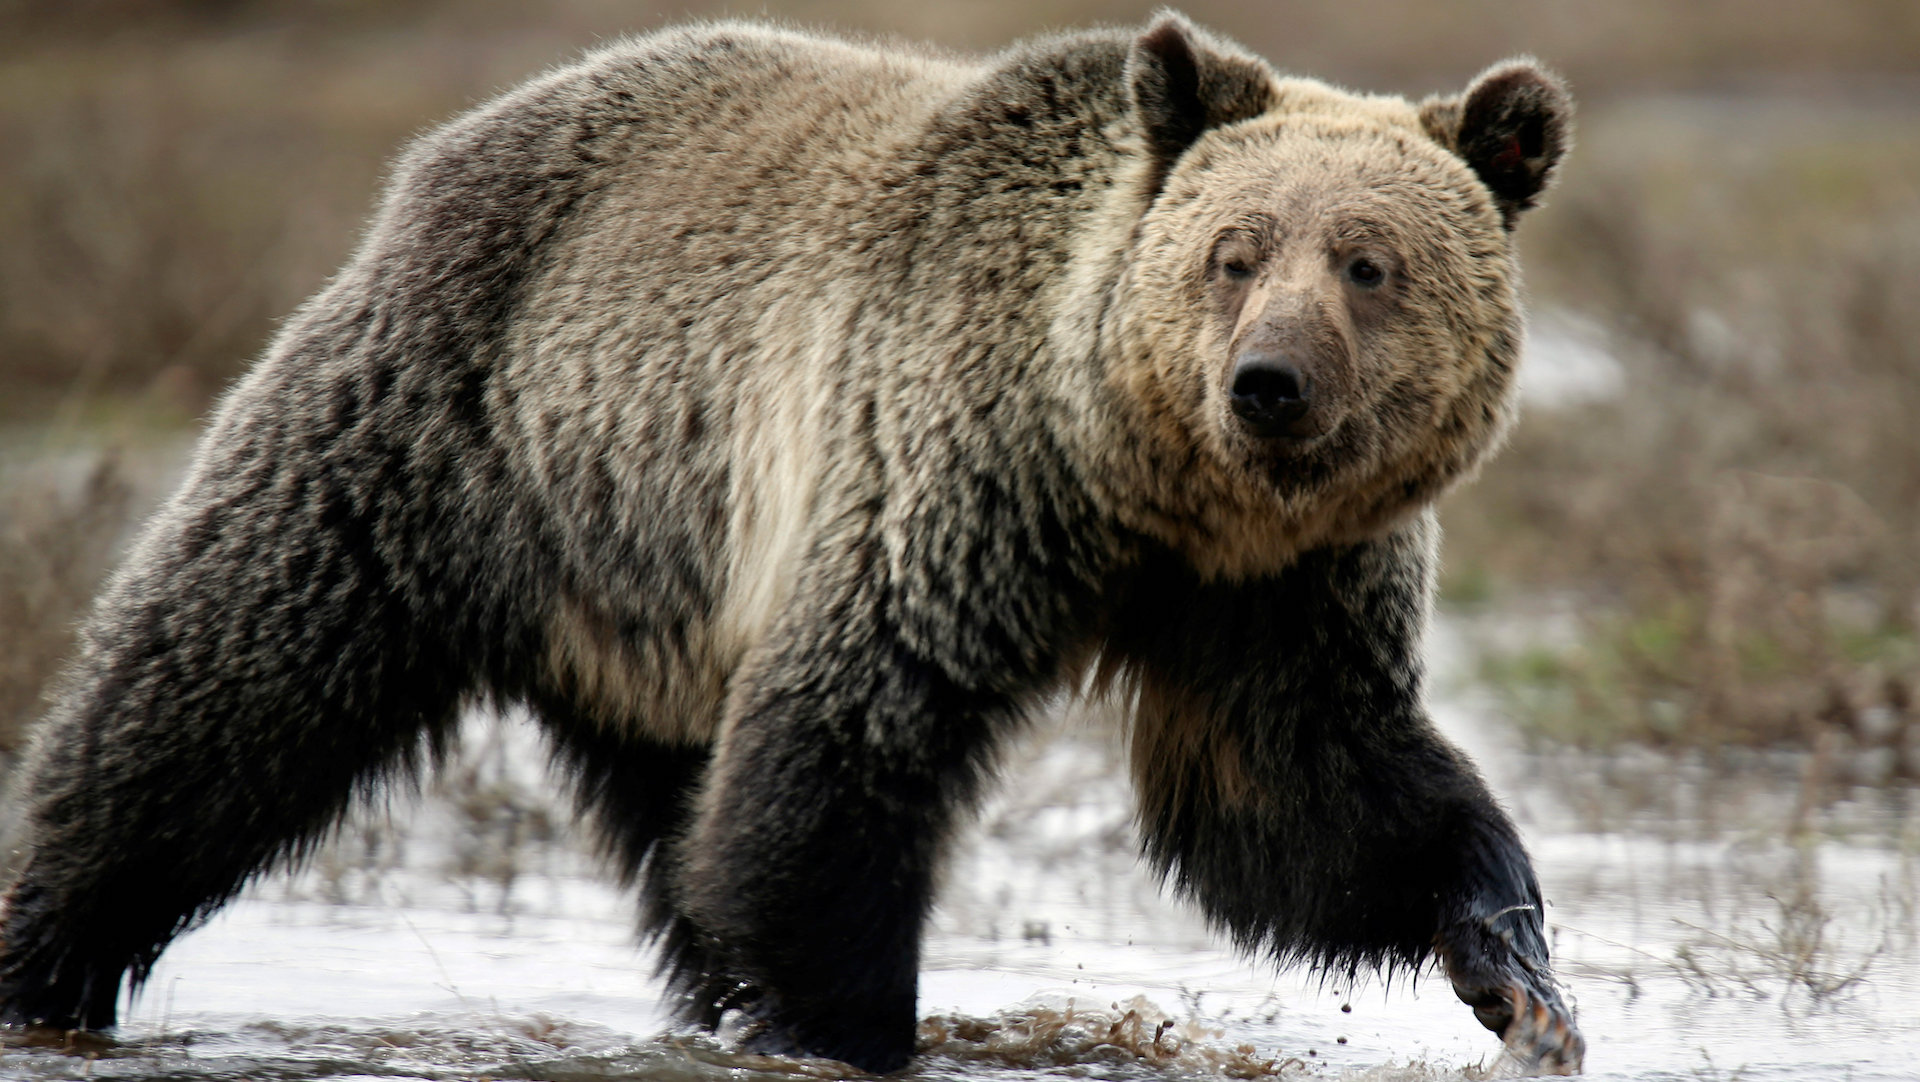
(783, 421)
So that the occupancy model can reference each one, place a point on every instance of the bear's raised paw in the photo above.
(1532, 1022)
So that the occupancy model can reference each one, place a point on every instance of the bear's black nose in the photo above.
(1270, 396)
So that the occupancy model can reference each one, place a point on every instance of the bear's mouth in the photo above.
(1301, 439)
(1302, 463)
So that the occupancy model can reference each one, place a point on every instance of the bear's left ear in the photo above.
(1512, 126)
(1182, 81)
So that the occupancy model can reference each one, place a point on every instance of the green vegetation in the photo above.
(1661, 680)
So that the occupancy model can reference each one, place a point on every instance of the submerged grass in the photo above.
(1792, 953)
(1772, 931)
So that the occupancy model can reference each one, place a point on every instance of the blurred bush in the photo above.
(54, 548)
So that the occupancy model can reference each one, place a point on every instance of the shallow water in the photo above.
(1714, 953)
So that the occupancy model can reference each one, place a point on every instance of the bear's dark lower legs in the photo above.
(1353, 857)
(810, 867)
(1291, 782)
(130, 850)
(1494, 953)
(1353, 854)
(207, 731)
(813, 878)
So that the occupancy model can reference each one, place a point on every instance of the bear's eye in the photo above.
(1365, 272)
(1235, 257)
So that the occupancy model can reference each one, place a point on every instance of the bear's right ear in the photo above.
(1513, 125)
(1182, 82)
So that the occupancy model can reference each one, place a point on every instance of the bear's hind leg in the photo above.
(242, 677)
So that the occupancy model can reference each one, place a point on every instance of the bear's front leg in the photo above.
(1496, 959)
(1291, 782)
(844, 757)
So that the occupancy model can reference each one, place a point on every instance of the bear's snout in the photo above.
(1273, 397)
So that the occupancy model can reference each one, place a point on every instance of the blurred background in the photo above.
(1702, 540)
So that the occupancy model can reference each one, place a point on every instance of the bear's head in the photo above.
(1318, 327)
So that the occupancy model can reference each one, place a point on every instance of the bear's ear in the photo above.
(1182, 81)
(1512, 126)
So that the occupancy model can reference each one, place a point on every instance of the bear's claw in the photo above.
(1536, 1027)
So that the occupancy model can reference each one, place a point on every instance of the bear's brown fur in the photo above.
(783, 420)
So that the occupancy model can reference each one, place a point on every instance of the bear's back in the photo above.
(743, 118)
